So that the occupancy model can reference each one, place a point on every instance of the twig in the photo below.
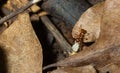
(43, 13)
(63, 43)
(49, 66)
(18, 11)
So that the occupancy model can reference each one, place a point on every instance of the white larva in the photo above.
(75, 46)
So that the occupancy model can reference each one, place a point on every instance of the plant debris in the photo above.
(59, 36)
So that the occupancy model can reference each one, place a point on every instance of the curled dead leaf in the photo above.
(89, 21)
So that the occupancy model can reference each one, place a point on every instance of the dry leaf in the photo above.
(89, 21)
(106, 49)
(84, 69)
(98, 58)
(111, 68)
(21, 47)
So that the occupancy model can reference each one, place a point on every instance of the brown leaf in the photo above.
(21, 47)
(109, 34)
(89, 21)
(106, 48)
(84, 69)
(111, 68)
(98, 58)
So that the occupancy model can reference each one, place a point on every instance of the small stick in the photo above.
(50, 66)
(18, 11)
(43, 13)
(64, 44)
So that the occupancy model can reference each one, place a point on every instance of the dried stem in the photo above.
(63, 43)
(18, 11)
